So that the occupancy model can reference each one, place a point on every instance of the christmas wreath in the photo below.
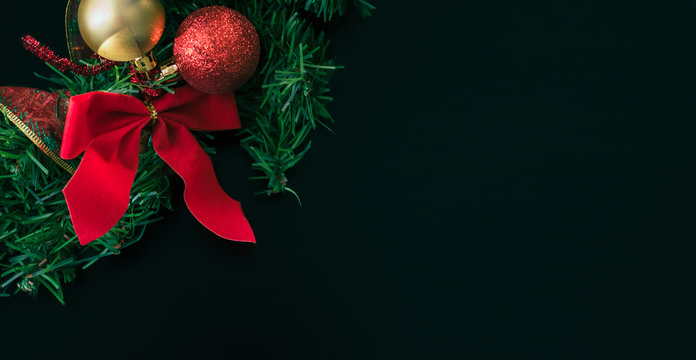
(116, 123)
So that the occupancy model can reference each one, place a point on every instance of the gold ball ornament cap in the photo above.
(121, 30)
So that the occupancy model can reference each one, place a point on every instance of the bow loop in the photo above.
(192, 109)
(95, 114)
(107, 128)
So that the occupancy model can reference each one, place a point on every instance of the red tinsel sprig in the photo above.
(46, 54)
(141, 79)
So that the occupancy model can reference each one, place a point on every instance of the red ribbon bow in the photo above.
(107, 128)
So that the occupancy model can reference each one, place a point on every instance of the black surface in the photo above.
(508, 180)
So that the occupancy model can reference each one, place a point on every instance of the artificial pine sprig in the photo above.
(38, 245)
(279, 107)
(328, 8)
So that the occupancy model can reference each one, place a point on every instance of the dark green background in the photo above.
(508, 180)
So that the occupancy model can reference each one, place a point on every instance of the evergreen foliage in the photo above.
(280, 106)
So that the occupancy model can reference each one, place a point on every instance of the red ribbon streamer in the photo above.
(107, 128)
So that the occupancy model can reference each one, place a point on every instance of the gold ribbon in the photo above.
(36, 140)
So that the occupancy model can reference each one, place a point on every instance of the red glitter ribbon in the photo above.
(107, 127)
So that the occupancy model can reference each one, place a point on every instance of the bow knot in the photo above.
(153, 112)
(107, 127)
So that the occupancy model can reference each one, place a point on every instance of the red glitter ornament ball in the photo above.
(216, 49)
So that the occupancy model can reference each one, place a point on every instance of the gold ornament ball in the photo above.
(121, 30)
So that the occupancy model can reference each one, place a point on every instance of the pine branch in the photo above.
(286, 100)
(38, 245)
(280, 107)
(326, 9)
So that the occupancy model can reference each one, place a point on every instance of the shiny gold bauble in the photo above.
(121, 30)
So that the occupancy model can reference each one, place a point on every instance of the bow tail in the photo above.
(99, 193)
(211, 206)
